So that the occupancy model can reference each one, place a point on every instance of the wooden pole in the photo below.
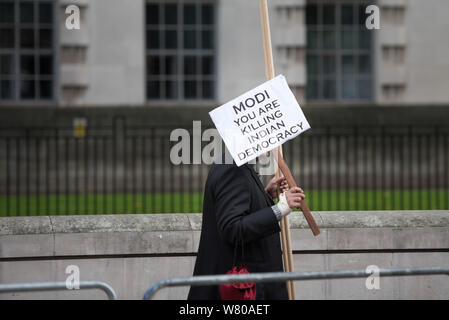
(269, 72)
(281, 165)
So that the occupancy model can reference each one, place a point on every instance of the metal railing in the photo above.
(51, 286)
(127, 169)
(286, 276)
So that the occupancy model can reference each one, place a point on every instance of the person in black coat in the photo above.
(236, 202)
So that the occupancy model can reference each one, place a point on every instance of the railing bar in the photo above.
(50, 286)
(288, 276)
(7, 167)
(56, 138)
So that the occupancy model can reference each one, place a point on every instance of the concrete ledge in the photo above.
(25, 225)
(377, 219)
(192, 222)
(98, 223)
(156, 234)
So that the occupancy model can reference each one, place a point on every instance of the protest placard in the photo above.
(259, 120)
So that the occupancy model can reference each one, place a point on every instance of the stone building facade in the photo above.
(205, 52)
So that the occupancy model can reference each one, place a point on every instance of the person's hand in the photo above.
(294, 196)
(274, 185)
(290, 200)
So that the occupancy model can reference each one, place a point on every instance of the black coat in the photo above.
(235, 197)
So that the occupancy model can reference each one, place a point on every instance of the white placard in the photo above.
(259, 120)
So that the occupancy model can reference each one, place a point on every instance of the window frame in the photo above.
(180, 52)
(338, 52)
(16, 52)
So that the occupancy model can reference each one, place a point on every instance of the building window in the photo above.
(26, 50)
(180, 44)
(339, 59)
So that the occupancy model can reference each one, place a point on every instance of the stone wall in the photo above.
(132, 252)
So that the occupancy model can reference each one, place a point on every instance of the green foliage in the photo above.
(322, 200)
